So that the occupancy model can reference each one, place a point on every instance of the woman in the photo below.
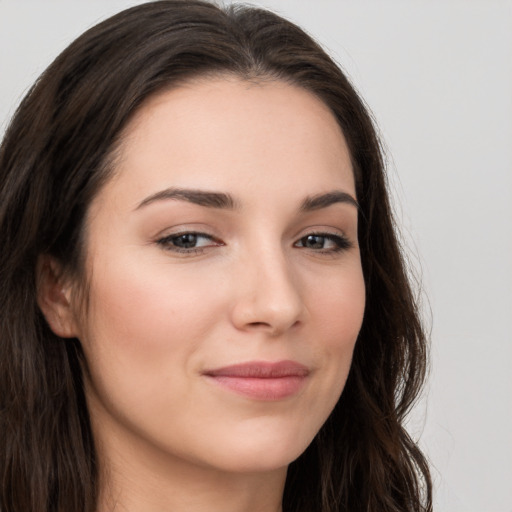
(203, 305)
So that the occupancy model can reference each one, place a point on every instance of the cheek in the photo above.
(338, 312)
(339, 307)
(145, 326)
(149, 305)
(144, 334)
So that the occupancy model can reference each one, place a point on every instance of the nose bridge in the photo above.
(269, 293)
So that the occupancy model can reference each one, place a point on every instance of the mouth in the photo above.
(261, 380)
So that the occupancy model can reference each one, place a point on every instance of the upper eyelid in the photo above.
(325, 234)
(170, 233)
(325, 231)
(170, 236)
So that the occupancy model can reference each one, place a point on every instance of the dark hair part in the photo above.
(54, 158)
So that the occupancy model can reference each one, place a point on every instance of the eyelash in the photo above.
(341, 242)
(168, 242)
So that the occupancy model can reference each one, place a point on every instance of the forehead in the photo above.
(223, 131)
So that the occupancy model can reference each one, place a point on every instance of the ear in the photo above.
(54, 294)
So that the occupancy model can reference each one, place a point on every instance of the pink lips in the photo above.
(262, 380)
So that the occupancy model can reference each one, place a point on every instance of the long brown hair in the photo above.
(55, 156)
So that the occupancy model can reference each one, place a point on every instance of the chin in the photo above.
(260, 453)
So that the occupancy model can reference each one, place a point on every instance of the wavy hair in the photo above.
(57, 153)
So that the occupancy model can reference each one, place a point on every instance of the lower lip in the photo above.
(267, 389)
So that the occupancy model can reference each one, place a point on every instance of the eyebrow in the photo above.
(199, 197)
(320, 201)
(222, 200)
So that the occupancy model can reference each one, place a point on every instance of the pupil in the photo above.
(315, 242)
(186, 241)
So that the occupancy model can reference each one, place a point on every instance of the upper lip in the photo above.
(261, 370)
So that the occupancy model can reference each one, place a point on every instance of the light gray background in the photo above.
(438, 77)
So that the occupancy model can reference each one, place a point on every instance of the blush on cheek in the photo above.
(343, 312)
(149, 312)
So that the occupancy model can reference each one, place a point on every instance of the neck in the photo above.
(144, 479)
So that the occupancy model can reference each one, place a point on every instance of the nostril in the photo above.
(270, 328)
(259, 324)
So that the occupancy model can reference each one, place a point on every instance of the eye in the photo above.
(324, 242)
(188, 242)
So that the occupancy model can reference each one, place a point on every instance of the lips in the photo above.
(261, 380)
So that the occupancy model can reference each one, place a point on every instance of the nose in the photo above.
(268, 297)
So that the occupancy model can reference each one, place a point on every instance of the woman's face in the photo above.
(225, 283)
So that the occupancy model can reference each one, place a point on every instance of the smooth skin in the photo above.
(181, 281)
